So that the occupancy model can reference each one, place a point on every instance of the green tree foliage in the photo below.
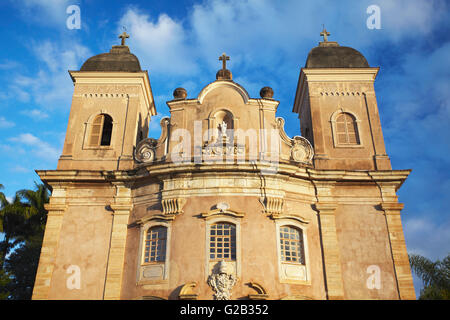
(435, 276)
(22, 222)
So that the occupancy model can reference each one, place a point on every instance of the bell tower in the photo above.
(111, 107)
(338, 111)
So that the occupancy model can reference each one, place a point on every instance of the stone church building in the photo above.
(224, 204)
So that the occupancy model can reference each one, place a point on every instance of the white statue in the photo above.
(223, 129)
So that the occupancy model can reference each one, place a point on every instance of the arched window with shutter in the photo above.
(346, 129)
(101, 131)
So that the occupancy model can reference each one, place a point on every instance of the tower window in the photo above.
(222, 242)
(101, 131)
(346, 129)
(291, 245)
(155, 244)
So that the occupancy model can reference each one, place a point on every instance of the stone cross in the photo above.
(124, 35)
(324, 34)
(224, 59)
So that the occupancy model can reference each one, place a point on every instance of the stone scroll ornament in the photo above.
(301, 150)
(222, 282)
(145, 151)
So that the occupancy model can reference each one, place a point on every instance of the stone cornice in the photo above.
(395, 177)
(340, 74)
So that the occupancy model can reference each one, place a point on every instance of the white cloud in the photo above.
(19, 169)
(5, 123)
(35, 114)
(266, 33)
(160, 43)
(46, 12)
(38, 147)
(426, 237)
(404, 18)
(51, 87)
(8, 65)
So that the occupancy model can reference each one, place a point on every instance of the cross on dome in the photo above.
(123, 36)
(224, 59)
(324, 34)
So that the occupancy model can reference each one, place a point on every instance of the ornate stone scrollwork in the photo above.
(145, 151)
(222, 282)
(301, 150)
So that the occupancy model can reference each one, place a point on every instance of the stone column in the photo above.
(398, 248)
(56, 208)
(122, 208)
(330, 249)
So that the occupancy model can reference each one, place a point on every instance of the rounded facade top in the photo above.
(335, 56)
(118, 59)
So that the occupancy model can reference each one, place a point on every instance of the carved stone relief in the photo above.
(222, 282)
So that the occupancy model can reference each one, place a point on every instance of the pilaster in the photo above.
(56, 208)
(398, 248)
(121, 207)
(330, 248)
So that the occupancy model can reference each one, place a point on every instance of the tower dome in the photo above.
(118, 59)
(329, 54)
(335, 56)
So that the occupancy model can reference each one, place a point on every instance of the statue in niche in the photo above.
(223, 129)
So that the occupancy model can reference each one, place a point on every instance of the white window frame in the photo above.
(283, 265)
(150, 267)
(209, 264)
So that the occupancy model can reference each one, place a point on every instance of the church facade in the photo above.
(224, 204)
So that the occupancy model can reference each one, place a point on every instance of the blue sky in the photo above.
(179, 43)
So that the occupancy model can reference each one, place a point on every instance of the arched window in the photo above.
(346, 129)
(155, 244)
(222, 241)
(101, 131)
(291, 245)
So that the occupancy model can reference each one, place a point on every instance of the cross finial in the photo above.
(324, 34)
(123, 36)
(224, 59)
